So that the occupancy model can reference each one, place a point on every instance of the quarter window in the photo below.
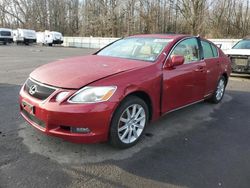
(189, 49)
(207, 50)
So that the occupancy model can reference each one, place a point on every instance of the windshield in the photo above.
(243, 44)
(5, 33)
(145, 49)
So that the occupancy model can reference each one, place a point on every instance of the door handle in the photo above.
(200, 69)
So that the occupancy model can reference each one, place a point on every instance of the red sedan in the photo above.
(114, 93)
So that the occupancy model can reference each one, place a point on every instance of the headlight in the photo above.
(93, 94)
(61, 96)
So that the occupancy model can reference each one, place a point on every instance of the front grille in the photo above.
(34, 119)
(40, 91)
(240, 60)
(240, 63)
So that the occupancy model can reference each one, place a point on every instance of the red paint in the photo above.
(75, 69)
(168, 87)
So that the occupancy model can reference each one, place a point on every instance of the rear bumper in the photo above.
(55, 119)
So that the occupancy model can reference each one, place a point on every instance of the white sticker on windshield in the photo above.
(163, 40)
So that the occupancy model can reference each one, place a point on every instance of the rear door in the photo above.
(184, 84)
(213, 66)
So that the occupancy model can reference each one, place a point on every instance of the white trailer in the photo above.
(49, 37)
(6, 36)
(25, 36)
(40, 37)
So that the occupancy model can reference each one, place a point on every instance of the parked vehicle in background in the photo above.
(40, 37)
(24, 36)
(49, 37)
(240, 56)
(114, 93)
(6, 35)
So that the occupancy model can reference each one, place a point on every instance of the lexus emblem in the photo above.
(33, 89)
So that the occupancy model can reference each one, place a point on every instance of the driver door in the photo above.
(184, 84)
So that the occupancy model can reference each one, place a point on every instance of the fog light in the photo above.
(80, 130)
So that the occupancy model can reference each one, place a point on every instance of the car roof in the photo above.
(164, 36)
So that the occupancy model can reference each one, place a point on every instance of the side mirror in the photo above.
(174, 61)
(177, 60)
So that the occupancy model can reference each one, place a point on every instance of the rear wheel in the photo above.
(129, 122)
(219, 92)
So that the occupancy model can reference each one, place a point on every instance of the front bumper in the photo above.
(57, 41)
(8, 40)
(29, 40)
(53, 118)
(240, 64)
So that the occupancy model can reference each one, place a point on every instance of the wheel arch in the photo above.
(225, 76)
(146, 98)
(142, 95)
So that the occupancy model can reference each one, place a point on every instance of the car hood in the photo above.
(74, 73)
(238, 52)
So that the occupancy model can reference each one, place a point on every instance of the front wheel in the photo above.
(219, 92)
(129, 122)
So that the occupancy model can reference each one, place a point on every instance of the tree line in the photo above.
(117, 18)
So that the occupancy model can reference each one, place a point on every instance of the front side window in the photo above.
(145, 49)
(188, 48)
(207, 50)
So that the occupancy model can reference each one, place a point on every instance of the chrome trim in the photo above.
(179, 108)
(33, 89)
(44, 85)
(41, 84)
(208, 95)
(87, 87)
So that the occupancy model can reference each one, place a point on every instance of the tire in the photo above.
(125, 132)
(219, 91)
(4, 43)
(50, 44)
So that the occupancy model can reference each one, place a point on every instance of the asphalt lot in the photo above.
(203, 145)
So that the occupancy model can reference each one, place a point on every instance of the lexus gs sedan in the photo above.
(113, 94)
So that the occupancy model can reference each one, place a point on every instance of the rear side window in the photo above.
(215, 51)
(207, 50)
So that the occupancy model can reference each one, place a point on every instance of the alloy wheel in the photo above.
(131, 123)
(220, 90)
